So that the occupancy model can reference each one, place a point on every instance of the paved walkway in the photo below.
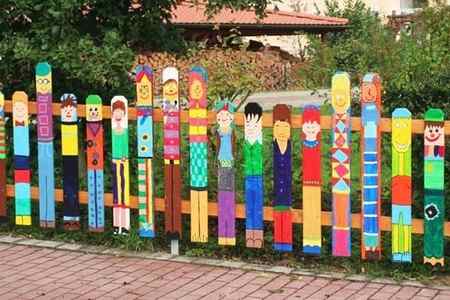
(28, 272)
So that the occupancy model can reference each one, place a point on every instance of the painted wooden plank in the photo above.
(434, 203)
(401, 186)
(95, 163)
(172, 174)
(312, 180)
(253, 172)
(282, 178)
(371, 166)
(22, 169)
(69, 151)
(198, 144)
(45, 145)
(340, 164)
(120, 165)
(144, 107)
(226, 172)
(3, 211)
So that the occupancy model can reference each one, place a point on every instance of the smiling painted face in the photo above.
(253, 128)
(311, 129)
(224, 119)
(340, 101)
(20, 112)
(400, 137)
(368, 93)
(44, 84)
(170, 91)
(434, 134)
(281, 131)
(94, 112)
(144, 91)
(196, 90)
(69, 113)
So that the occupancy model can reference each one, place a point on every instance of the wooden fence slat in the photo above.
(240, 210)
(325, 121)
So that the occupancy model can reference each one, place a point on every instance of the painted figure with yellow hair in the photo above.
(340, 164)
(401, 185)
(22, 170)
(144, 108)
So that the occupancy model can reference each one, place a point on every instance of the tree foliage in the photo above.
(91, 44)
(414, 65)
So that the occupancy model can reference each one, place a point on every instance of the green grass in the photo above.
(211, 249)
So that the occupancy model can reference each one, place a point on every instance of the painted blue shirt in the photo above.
(282, 175)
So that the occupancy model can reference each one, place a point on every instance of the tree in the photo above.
(91, 44)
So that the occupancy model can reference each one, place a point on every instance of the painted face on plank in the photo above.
(196, 90)
(369, 92)
(68, 108)
(401, 139)
(94, 112)
(20, 113)
(43, 78)
(253, 128)
(144, 90)
(170, 91)
(340, 101)
(311, 129)
(224, 119)
(434, 134)
(281, 131)
(44, 84)
(119, 117)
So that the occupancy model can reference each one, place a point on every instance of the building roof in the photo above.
(188, 15)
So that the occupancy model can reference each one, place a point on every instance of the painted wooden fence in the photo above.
(340, 123)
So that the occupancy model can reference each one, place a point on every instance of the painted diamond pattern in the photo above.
(341, 170)
(340, 126)
(339, 155)
(340, 141)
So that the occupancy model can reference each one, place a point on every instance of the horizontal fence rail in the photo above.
(417, 224)
(326, 216)
(418, 125)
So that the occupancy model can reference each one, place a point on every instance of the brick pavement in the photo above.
(28, 272)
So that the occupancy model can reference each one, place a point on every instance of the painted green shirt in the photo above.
(253, 156)
(120, 145)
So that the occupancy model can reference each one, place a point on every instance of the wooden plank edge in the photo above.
(240, 210)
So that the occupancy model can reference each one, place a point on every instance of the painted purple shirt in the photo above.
(45, 117)
(282, 176)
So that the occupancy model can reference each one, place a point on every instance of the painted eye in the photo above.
(437, 130)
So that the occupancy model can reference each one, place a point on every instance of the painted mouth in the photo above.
(430, 139)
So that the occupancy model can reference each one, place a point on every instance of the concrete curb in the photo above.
(89, 249)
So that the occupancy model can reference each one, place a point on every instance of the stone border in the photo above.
(9, 239)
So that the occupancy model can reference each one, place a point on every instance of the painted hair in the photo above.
(312, 115)
(253, 109)
(118, 105)
(142, 70)
(68, 100)
(281, 112)
(226, 105)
